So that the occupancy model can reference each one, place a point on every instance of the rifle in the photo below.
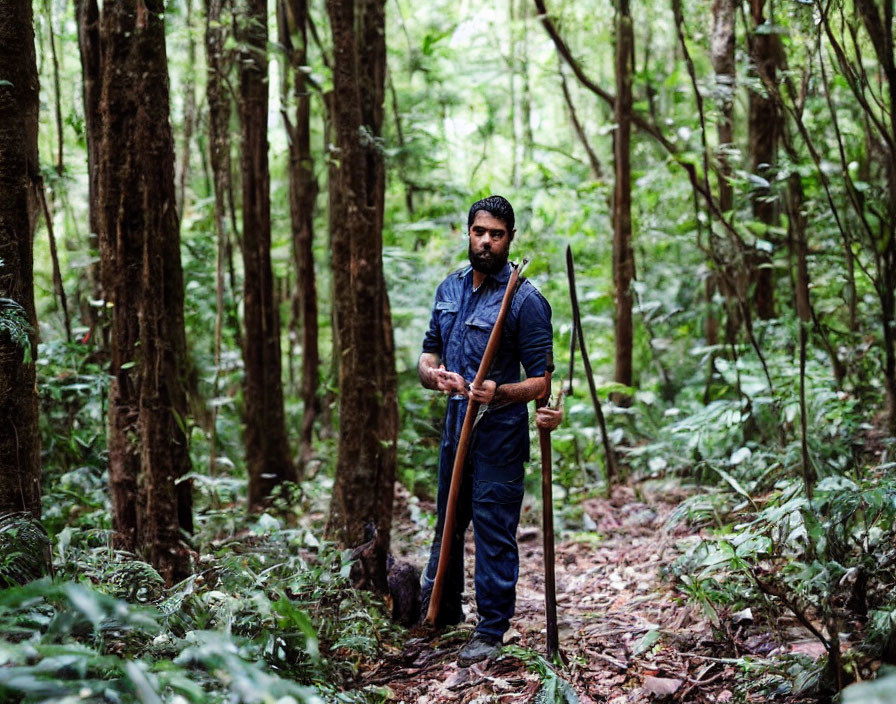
(463, 447)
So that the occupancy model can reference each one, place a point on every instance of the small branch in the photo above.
(54, 255)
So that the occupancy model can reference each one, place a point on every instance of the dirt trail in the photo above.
(628, 636)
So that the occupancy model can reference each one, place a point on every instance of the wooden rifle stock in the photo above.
(463, 447)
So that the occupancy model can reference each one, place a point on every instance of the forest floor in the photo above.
(628, 633)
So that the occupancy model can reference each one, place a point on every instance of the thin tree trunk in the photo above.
(722, 44)
(19, 172)
(302, 197)
(87, 16)
(219, 107)
(365, 469)
(623, 254)
(140, 261)
(764, 132)
(219, 156)
(57, 97)
(526, 100)
(399, 133)
(267, 449)
(596, 168)
(880, 30)
(722, 54)
(189, 111)
(803, 308)
(54, 257)
(511, 77)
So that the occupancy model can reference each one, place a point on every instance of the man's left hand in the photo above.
(483, 394)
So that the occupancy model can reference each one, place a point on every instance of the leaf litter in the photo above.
(627, 633)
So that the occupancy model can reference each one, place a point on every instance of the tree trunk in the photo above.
(19, 176)
(365, 469)
(142, 278)
(219, 156)
(764, 132)
(623, 254)
(189, 122)
(722, 44)
(722, 54)
(267, 449)
(879, 26)
(526, 100)
(302, 197)
(87, 16)
(511, 77)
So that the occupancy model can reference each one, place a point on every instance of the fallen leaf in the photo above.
(458, 679)
(661, 686)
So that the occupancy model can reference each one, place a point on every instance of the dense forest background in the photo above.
(221, 227)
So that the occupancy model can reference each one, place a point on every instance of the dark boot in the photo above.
(479, 648)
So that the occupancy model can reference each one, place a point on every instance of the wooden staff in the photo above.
(609, 451)
(547, 523)
(463, 447)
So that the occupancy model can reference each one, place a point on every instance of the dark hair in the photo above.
(498, 206)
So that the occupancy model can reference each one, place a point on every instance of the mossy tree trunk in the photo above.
(139, 236)
(368, 411)
(623, 253)
(19, 174)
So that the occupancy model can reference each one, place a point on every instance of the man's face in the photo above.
(489, 243)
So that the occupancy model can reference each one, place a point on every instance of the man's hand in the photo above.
(483, 394)
(548, 418)
(448, 382)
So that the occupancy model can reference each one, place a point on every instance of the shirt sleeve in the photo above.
(432, 340)
(536, 334)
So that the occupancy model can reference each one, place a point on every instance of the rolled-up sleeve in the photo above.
(432, 340)
(536, 334)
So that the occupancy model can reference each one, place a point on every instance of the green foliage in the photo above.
(268, 616)
(269, 606)
(24, 549)
(14, 325)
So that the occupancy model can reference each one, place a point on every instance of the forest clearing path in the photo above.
(628, 636)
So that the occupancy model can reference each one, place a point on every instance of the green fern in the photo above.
(14, 325)
(137, 582)
(24, 549)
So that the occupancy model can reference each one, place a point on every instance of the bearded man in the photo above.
(466, 308)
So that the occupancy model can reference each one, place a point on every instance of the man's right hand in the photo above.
(448, 382)
(433, 375)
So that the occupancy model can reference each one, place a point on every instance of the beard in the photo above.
(487, 262)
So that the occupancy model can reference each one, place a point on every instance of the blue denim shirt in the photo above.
(461, 322)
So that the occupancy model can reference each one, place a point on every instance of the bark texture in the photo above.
(722, 45)
(219, 156)
(267, 450)
(87, 17)
(623, 254)
(765, 124)
(878, 24)
(302, 197)
(143, 282)
(368, 411)
(19, 176)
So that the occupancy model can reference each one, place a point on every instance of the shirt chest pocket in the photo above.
(479, 329)
(447, 311)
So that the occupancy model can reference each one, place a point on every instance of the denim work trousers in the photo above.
(490, 496)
